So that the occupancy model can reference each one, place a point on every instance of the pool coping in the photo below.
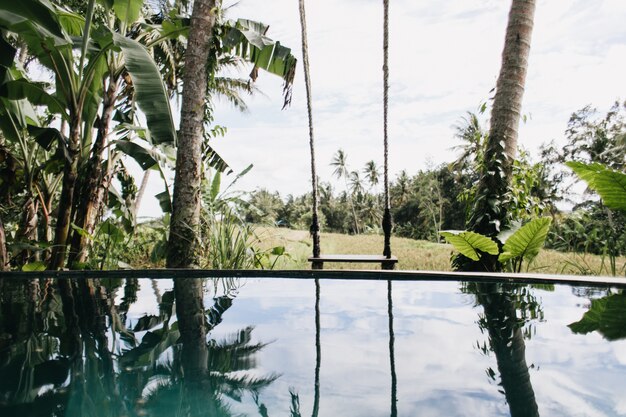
(341, 274)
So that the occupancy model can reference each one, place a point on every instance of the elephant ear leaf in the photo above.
(608, 183)
(527, 241)
(470, 244)
(151, 94)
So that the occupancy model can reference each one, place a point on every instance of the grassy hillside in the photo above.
(414, 254)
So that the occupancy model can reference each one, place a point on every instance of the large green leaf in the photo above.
(127, 11)
(146, 158)
(33, 15)
(607, 316)
(471, 244)
(527, 241)
(150, 91)
(35, 93)
(608, 183)
(247, 39)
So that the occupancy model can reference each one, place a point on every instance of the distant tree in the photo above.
(340, 164)
(264, 207)
(371, 173)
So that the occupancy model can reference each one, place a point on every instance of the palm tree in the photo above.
(186, 200)
(470, 132)
(489, 214)
(196, 111)
(371, 173)
(340, 163)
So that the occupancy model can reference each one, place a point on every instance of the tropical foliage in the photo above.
(114, 67)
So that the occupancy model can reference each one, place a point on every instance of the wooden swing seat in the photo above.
(385, 263)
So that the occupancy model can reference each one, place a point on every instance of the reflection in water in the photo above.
(606, 315)
(77, 348)
(318, 351)
(392, 356)
(507, 342)
(67, 350)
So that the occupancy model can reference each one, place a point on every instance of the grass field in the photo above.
(415, 254)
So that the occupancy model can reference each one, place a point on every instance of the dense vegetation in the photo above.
(110, 70)
(438, 199)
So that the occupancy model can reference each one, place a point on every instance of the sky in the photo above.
(444, 59)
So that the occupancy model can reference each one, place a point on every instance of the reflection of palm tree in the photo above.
(507, 342)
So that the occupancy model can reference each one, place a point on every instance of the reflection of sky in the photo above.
(440, 371)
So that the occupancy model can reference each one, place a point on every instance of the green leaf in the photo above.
(34, 266)
(471, 244)
(608, 183)
(246, 39)
(215, 185)
(45, 136)
(527, 241)
(7, 53)
(35, 93)
(164, 201)
(150, 91)
(28, 17)
(607, 316)
(146, 158)
(127, 11)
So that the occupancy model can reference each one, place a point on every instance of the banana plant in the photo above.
(511, 247)
(52, 35)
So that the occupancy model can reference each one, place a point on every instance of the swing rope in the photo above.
(315, 226)
(387, 220)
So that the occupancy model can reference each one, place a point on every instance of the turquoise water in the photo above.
(289, 347)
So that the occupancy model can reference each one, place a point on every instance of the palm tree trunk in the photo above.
(489, 212)
(192, 326)
(92, 191)
(186, 200)
(507, 342)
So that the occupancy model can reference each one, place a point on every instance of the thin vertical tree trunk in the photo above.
(93, 188)
(182, 251)
(140, 193)
(4, 258)
(192, 326)
(66, 201)
(489, 213)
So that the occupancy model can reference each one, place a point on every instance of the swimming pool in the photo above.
(322, 347)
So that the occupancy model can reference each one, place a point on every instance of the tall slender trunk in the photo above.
(140, 193)
(93, 188)
(4, 258)
(185, 220)
(66, 201)
(489, 212)
(351, 201)
(27, 230)
(192, 326)
(507, 342)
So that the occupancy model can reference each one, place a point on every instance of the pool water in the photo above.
(300, 347)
